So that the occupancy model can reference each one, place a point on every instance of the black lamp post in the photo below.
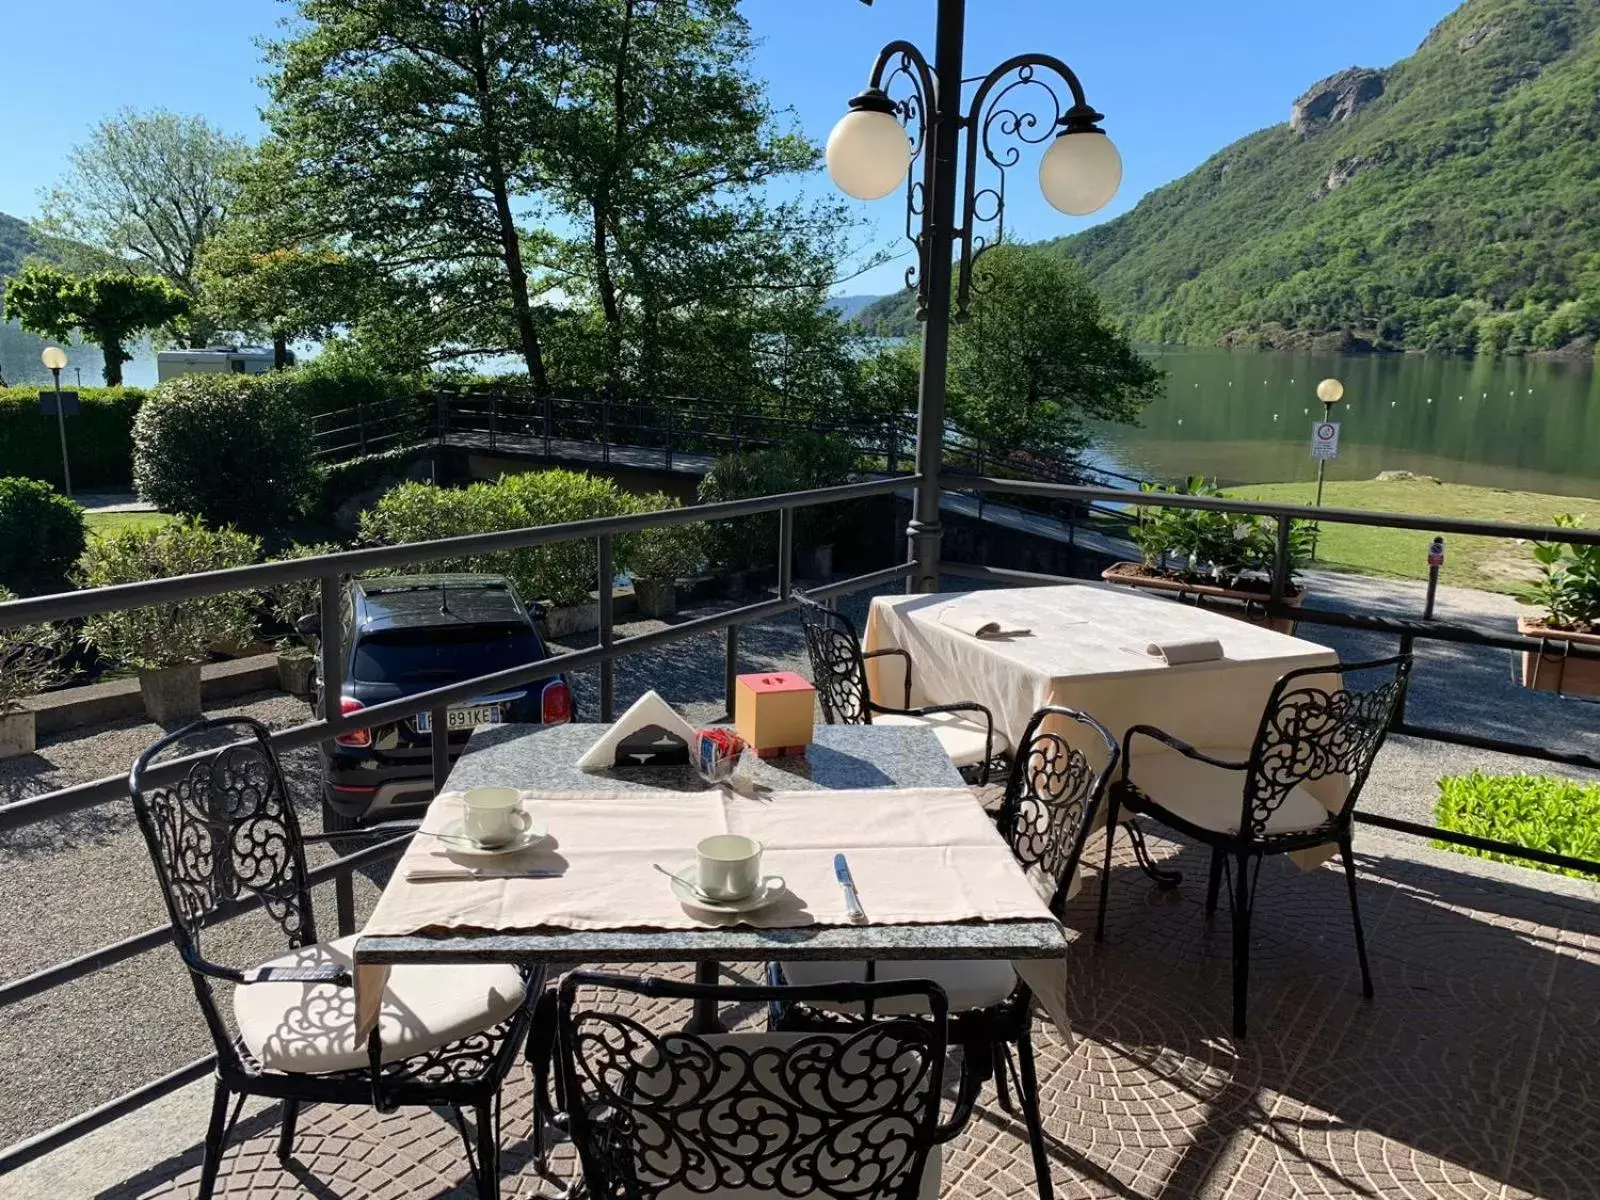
(870, 153)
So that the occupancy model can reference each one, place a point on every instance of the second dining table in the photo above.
(934, 877)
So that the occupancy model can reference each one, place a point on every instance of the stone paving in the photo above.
(1474, 1073)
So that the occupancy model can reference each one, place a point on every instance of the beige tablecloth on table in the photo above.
(919, 856)
(1086, 650)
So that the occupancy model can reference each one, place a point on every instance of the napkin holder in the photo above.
(649, 734)
(774, 713)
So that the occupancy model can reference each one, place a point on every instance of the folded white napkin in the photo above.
(651, 733)
(977, 625)
(1176, 654)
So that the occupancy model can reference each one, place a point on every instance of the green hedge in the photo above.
(339, 482)
(99, 439)
(41, 536)
(1540, 812)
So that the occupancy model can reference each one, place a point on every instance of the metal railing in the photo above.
(331, 571)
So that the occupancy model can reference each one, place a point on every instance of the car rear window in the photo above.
(438, 656)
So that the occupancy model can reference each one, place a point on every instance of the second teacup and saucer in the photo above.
(492, 822)
(726, 877)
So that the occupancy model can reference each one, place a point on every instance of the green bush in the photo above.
(41, 536)
(1214, 547)
(230, 449)
(173, 634)
(286, 603)
(99, 438)
(30, 659)
(806, 462)
(338, 482)
(1568, 586)
(668, 553)
(561, 573)
(1536, 811)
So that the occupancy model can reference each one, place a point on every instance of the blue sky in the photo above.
(1178, 79)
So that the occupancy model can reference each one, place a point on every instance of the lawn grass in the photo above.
(1536, 811)
(1491, 564)
(99, 524)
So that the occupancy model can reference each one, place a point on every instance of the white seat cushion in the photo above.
(968, 983)
(821, 1158)
(1213, 797)
(964, 739)
(309, 1028)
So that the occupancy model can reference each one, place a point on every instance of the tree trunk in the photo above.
(605, 283)
(510, 238)
(114, 356)
(280, 351)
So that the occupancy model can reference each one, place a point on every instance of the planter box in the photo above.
(656, 598)
(572, 619)
(1550, 670)
(294, 673)
(815, 562)
(17, 733)
(1230, 602)
(171, 695)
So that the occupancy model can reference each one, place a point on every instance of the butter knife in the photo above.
(428, 874)
(852, 902)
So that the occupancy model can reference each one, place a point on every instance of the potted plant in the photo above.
(1568, 589)
(30, 661)
(168, 644)
(658, 558)
(286, 604)
(1206, 555)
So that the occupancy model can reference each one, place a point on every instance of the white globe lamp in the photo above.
(1330, 391)
(54, 358)
(868, 151)
(1081, 171)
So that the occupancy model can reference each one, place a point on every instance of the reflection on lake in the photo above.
(20, 365)
(1245, 417)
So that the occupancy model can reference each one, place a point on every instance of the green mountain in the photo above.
(1448, 202)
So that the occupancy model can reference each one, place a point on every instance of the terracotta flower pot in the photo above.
(1237, 603)
(1550, 670)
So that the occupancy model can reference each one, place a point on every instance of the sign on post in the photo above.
(1325, 439)
(69, 404)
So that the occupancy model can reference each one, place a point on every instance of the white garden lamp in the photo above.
(55, 358)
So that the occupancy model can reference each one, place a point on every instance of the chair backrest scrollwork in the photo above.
(837, 668)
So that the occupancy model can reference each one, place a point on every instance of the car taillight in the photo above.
(555, 705)
(359, 738)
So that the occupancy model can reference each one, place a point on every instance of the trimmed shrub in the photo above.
(229, 449)
(99, 438)
(668, 553)
(804, 463)
(173, 634)
(41, 536)
(562, 573)
(339, 482)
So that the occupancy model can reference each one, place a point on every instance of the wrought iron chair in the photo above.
(851, 1114)
(1053, 794)
(224, 838)
(1246, 809)
(840, 669)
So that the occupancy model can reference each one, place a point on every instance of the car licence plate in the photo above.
(467, 716)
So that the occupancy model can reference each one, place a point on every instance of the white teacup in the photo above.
(728, 866)
(492, 816)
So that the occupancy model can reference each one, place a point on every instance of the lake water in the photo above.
(1246, 417)
(20, 365)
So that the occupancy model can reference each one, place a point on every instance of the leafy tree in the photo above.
(290, 292)
(660, 153)
(1039, 359)
(404, 131)
(151, 189)
(109, 309)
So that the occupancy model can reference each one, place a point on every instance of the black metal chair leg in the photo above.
(1105, 870)
(1348, 855)
(487, 1160)
(291, 1114)
(1002, 1088)
(1242, 901)
(1214, 885)
(1029, 1087)
(216, 1135)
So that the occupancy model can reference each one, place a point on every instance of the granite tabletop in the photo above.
(842, 756)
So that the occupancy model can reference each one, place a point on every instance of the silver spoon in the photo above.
(692, 886)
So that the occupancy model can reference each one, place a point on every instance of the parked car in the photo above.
(410, 634)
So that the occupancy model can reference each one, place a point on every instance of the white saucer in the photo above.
(769, 889)
(456, 839)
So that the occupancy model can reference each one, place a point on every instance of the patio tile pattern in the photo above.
(1475, 1072)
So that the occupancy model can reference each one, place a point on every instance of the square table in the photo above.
(1085, 649)
(842, 758)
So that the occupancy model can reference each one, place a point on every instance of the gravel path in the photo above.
(72, 885)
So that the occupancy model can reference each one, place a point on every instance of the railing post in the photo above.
(892, 446)
(442, 415)
(608, 669)
(548, 416)
(667, 418)
(330, 652)
(439, 743)
(344, 902)
(785, 552)
(1407, 641)
(1280, 562)
(605, 424)
(361, 425)
(494, 415)
(730, 670)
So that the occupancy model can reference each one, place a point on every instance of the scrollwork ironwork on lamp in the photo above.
(915, 112)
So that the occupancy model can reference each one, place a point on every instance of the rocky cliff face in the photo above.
(1337, 98)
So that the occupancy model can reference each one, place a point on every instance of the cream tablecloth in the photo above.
(919, 856)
